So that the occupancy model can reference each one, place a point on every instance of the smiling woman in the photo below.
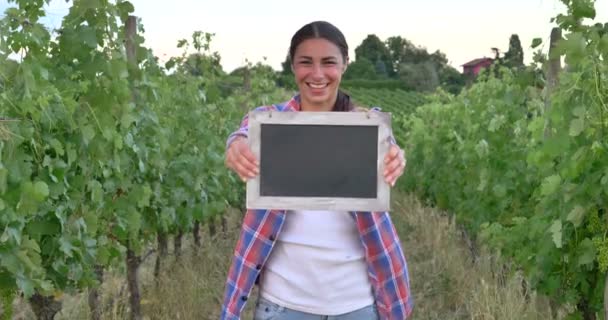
(308, 264)
(318, 65)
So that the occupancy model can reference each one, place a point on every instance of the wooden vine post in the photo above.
(132, 260)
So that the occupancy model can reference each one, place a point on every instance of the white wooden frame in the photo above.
(372, 118)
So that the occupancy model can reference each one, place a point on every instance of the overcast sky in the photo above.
(253, 29)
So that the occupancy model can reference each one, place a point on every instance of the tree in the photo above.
(422, 76)
(286, 66)
(515, 56)
(402, 50)
(380, 68)
(361, 68)
(451, 80)
(373, 49)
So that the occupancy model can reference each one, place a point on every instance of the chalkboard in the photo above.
(319, 160)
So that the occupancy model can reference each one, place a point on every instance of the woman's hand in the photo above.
(241, 159)
(394, 165)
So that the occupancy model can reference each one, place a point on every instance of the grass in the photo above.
(446, 282)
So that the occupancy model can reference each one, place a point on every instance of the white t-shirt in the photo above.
(318, 265)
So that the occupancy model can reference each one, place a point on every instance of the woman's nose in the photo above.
(317, 71)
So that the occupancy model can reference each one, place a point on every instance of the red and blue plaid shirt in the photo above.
(387, 266)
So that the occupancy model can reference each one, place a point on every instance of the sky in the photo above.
(260, 30)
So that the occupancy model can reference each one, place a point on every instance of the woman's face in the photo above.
(318, 66)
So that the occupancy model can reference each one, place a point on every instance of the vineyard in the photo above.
(399, 103)
(106, 155)
(404, 102)
(525, 167)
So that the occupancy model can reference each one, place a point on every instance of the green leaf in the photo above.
(144, 196)
(550, 185)
(556, 232)
(496, 123)
(170, 64)
(125, 8)
(39, 227)
(25, 259)
(576, 127)
(9, 261)
(482, 148)
(583, 9)
(57, 146)
(26, 286)
(41, 191)
(126, 120)
(579, 111)
(133, 221)
(536, 42)
(90, 218)
(574, 47)
(11, 232)
(118, 142)
(499, 191)
(31, 245)
(88, 36)
(72, 155)
(88, 133)
(576, 215)
(96, 191)
(556, 145)
(46, 287)
(586, 252)
(66, 246)
(103, 255)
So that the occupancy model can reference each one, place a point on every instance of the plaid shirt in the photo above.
(387, 267)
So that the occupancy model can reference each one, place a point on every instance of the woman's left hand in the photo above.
(394, 165)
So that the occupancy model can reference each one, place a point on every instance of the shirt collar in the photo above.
(294, 104)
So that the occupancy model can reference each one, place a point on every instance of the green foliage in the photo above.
(422, 76)
(398, 58)
(103, 154)
(362, 68)
(375, 51)
(374, 84)
(399, 103)
(530, 181)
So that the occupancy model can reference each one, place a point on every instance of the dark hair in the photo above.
(329, 32)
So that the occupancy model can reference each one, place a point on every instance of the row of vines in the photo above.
(105, 153)
(525, 167)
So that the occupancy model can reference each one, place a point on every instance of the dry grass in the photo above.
(445, 282)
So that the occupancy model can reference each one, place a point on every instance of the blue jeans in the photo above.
(266, 310)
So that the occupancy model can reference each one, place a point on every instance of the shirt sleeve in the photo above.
(243, 130)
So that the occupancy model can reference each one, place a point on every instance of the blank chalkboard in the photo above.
(319, 160)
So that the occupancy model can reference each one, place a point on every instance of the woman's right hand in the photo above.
(241, 159)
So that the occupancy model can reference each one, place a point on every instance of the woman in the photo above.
(316, 264)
